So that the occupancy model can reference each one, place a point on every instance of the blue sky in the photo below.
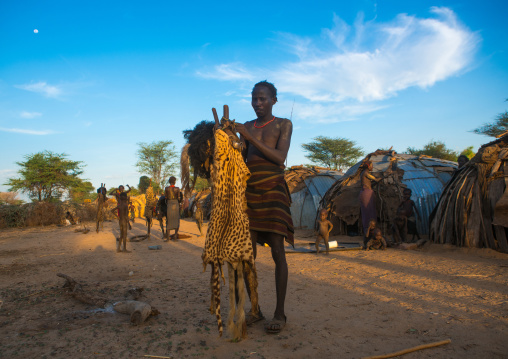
(98, 77)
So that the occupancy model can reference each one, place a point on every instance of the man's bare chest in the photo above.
(268, 136)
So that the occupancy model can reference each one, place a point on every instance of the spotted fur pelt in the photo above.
(228, 237)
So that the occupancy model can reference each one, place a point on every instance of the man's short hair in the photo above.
(268, 85)
(172, 179)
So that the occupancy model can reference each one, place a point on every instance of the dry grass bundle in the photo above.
(468, 213)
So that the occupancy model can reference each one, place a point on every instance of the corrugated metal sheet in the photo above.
(305, 202)
(425, 194)
(318, 186)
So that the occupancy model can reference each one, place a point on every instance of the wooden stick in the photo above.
(56, 254)
(36, 293)
(410, 350)
(155, 356)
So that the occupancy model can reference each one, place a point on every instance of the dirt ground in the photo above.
(348, 304)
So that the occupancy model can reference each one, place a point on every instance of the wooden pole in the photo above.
(410, 350)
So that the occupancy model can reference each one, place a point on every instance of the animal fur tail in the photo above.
(215, 305)
(251, 273)
(237, 327)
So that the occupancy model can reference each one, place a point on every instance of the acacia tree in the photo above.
(335, 153)
(46, 176)
(82, 191)
(157, 160)
(495, 129)
(468, 152)
(436, 149)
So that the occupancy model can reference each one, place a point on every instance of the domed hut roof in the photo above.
(307, 185)
(473, 208)
(425, 176)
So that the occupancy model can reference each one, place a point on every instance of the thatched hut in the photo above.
(307, 185)
(425, 176)
(473, 208)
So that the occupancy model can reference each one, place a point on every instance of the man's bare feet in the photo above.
(275, 326)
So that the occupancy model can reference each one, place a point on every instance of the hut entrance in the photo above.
(425, 176)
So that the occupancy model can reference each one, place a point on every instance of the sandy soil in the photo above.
(349, 304)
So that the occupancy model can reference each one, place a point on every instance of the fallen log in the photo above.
(139, 311)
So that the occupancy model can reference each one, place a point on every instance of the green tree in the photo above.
(144, 183)
(157, 160)
(495, 129)
(134, 191)
(468, 152)
(335, 153)
(46, 176)
(201, 184)
(436, 149)
(82, 191)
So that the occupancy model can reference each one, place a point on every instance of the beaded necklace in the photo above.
(264, 124)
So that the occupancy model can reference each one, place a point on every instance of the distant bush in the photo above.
(46, 213)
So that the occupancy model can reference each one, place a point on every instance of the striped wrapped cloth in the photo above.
(268, 200)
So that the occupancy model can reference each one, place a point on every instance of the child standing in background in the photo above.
(324, 227)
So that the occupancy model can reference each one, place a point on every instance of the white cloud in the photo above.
(349, 67)
(228, 72)
(42, 88)
(30, 115)
(331, 113)
(27, 131)
(6, 172)
(388, 58)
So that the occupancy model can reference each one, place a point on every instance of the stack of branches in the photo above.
(473, 208)
(12, 216)
(198, 153)
(295, 176)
